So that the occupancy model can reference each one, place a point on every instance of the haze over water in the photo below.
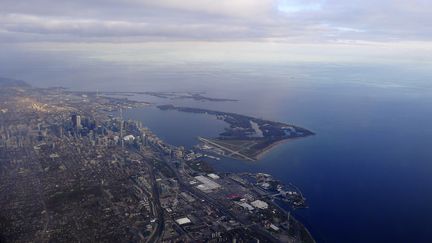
(358, 73)
(367, 172)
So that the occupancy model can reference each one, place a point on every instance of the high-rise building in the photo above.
(76, 121)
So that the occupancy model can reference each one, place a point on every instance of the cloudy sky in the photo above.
(317, 27)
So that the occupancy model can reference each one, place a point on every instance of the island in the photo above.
(196, 96)
(246, 138)
(73, 170)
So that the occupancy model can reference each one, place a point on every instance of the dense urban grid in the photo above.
(73, 170)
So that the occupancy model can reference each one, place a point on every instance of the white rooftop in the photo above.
(260, 204)
(207, 184)
(245, 205)
(213, 176)
(182, 221)
(128, 138)
(274, 227)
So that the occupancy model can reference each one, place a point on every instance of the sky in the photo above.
(239, 30)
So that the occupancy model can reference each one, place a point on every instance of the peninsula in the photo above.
(246, 138)
(72, 171)
(196, 96)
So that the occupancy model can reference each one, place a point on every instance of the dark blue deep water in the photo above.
(367, 174)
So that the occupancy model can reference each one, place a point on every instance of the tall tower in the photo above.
(76, 121)
(121, 127)
(61, 132)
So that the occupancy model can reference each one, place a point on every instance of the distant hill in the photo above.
(7, 82)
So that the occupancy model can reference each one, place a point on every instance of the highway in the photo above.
(157, 233)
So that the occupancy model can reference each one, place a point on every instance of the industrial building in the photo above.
(207, 184)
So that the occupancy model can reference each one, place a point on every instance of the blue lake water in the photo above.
(367, 174)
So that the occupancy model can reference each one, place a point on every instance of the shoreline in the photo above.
(263, 152)
(268, 149)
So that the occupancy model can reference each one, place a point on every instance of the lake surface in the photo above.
(367, 174)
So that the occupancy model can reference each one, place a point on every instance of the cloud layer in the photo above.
(209, 20)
